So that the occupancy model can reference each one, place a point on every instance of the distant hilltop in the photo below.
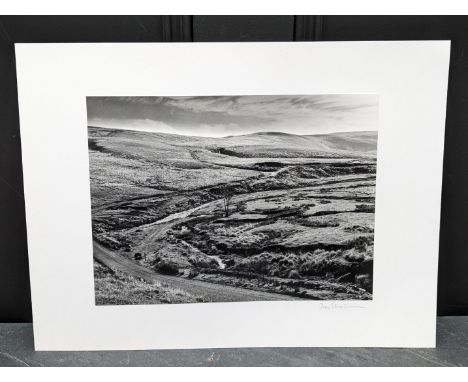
(356, 142)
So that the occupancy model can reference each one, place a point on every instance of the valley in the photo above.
(284, 216)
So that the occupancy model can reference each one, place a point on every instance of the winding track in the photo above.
(208, 291)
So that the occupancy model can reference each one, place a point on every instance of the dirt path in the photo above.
(209, 291)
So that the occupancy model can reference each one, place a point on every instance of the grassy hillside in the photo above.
(300, 220)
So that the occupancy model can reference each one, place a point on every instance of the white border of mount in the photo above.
(411, 80)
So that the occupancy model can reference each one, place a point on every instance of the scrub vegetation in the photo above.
(280, 213)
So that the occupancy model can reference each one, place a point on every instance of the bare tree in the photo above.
(227, 199)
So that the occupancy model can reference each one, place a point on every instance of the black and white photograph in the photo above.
(233, 190)
(232, 198)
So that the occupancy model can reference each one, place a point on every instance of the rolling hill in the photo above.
(352, 143)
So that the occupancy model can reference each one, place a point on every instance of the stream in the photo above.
(182, 214)
(218, 259)
(185, 214)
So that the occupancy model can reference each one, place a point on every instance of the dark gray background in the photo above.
(15, 303)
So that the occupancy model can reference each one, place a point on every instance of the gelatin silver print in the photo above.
(232, 198)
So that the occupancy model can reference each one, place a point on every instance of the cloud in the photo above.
(233, 115)
(147, 125)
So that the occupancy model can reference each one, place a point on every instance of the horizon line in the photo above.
(234, 135)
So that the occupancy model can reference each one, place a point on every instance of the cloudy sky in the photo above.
(235, 115)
